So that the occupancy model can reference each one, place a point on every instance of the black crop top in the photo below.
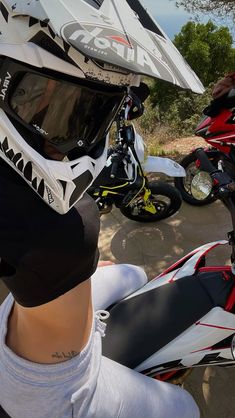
(43, 254)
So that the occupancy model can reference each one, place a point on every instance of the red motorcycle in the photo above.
(217, 127)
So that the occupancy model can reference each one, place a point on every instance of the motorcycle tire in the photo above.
(166, 199)
(183, 184)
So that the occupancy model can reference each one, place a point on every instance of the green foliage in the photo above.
(207, 48)
(185, 112)
(150, 119)
(218, 7)
(209, 51)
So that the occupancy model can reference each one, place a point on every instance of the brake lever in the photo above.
(226, 190)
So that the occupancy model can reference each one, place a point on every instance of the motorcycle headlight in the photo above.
(201, 185)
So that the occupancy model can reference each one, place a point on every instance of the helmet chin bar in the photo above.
(59, 183)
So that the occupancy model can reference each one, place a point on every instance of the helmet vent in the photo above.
(64, 185)
(26, 168)
(95, 3)
(4, 11)
(34, 183)
(45, 42)
(81, 183)
(33, 21)
(16, 157)
(41, 188)
(52, 33)
(144, 17)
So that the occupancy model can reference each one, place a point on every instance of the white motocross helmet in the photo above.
(65, 69)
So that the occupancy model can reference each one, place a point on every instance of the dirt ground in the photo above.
(183, 146)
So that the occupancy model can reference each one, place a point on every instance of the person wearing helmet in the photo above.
(61, 86)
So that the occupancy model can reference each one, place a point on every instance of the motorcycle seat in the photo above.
(141, 325)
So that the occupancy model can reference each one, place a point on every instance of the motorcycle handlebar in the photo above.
(116, 158)
(206, 164)
(222, 181)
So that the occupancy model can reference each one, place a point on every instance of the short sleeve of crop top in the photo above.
(43, 254)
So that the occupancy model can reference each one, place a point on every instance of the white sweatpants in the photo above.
(89, 385)
(140, 396)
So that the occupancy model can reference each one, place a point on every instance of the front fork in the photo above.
(145, 193)
(148, 205)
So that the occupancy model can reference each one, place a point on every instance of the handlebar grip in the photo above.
(222, 180)
(114, 168)
(205, 162)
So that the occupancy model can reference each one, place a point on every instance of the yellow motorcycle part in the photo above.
(109, 190)
(149, 206)
(105, 193)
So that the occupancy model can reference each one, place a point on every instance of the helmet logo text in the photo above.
(49, 195)
(41, 130)
(5, 86)
(105, 42)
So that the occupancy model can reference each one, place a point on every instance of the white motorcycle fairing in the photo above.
(163, 165)
(151, 164)
(180, 319)
(186, 266)
(205, 342)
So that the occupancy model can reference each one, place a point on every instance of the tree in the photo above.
(219, 7)
(209, 51)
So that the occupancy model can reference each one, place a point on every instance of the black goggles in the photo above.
(68, 113)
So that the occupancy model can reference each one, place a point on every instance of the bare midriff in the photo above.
(54, 332)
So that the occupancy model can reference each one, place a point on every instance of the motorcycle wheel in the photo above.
(183, 184)
(165, 197)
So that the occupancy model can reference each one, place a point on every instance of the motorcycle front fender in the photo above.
(163, 165)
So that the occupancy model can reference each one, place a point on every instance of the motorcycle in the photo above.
(124, 182)
(218, 129)
(185, 317)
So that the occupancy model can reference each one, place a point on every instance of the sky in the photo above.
(169, 17)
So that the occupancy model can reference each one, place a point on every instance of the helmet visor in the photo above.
(68, 115)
